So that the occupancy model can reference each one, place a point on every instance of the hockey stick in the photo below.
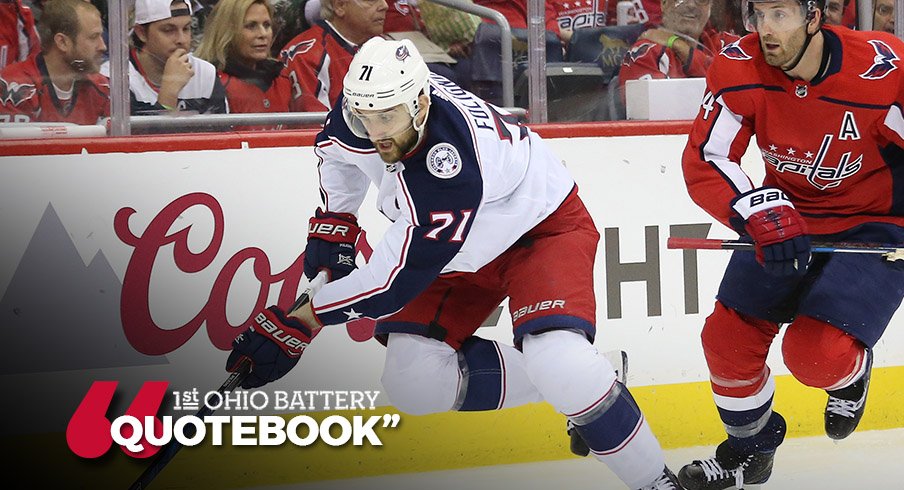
(168, 452)
(891, 252)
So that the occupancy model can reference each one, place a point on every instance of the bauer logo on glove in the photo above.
(292, 345)
(327, 229)
(272, 344)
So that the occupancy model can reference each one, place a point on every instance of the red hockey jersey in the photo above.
(18, 37)
(402, 16)
(833, 145)
(516, 13)
(578, 14)
(647, 59)
(27, 95)
(256, 91)
(316, 62)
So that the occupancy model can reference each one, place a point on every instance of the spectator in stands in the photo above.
(402, 16)
(841, 12)
(725, 16)
(453, 30)
(515, 12)
(61, 83)
(884, 16)
(18, 36)
(201, 12)
(163, 75)
(237, 42)
(573, 15)
(486, 75)
(680, 48)
(833, 11)
(317, 60)
(291, 20)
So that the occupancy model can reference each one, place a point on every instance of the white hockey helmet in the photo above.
(383, 75)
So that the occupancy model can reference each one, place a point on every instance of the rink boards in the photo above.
(137, 259)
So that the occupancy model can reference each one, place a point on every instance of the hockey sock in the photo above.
(618, 435)
(768, 438)
(579, 382)
(492, 377)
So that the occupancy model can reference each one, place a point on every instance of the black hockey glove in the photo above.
(273, 344)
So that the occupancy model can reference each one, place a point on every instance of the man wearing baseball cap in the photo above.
(163, 75)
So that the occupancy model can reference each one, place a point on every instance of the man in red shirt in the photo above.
(682, 47)
(317, 59)
(62, 82)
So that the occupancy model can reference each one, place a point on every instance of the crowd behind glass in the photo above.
(199, 57)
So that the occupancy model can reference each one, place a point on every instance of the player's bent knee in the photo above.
(420, 375)
(727, 332)
(819, 354)
(567, 369)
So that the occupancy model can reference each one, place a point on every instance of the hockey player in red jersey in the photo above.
(318, 58)
(60, 84)
(482, 210)
(825, 105)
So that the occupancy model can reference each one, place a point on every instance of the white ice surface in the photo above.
(865, 460)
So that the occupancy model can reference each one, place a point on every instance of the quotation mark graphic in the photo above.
(88, 433)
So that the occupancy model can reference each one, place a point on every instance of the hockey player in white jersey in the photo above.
(482, 210)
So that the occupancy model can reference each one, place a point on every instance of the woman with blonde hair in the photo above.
(237, 40)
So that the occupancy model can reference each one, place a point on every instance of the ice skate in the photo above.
(728, 469)
(846, 406)
(666, 481)
(577, 445)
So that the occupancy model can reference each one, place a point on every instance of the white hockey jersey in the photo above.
(473, 186)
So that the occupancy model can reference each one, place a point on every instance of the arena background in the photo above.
(92, 291)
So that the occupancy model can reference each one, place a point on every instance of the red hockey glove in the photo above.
(331, 244)
(777, 229)
(273, 344)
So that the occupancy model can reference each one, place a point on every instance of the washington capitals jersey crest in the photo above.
(833, 144)
(14, 94)
(637, 52)
(292, 50)
(734, 51)
(883, 63)
(452, 198)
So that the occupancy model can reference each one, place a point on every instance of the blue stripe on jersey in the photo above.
(444, 209)
(750, 86)
(858, 105)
